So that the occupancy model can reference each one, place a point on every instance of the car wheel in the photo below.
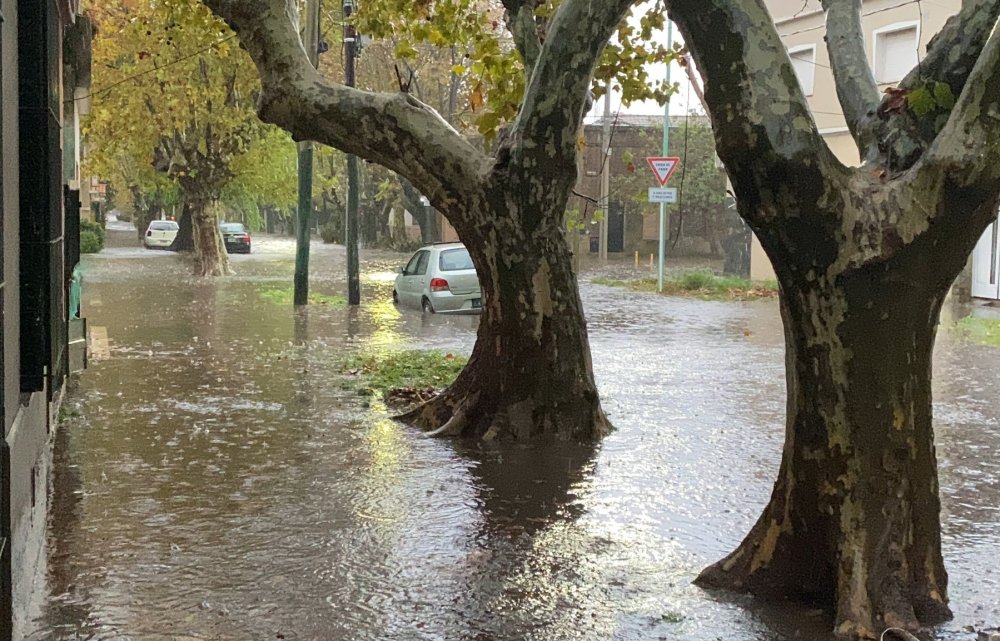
(395, 297)
(426, 306)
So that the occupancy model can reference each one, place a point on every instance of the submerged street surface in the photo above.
(217, 480)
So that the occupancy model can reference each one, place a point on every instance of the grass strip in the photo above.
(701, 284)
(402, 376)
(286, 296)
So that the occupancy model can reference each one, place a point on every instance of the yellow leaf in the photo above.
(476, 100)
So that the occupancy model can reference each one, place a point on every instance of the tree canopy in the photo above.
(173, 110)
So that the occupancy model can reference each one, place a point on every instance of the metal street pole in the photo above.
(310, 40)
(351, 215)
(605, 173)
(666, 144)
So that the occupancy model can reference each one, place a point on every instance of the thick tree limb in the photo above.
(520, 18)
(951, 55)
(856, 86)
(953, 51)
(971, 137)
(764, 131)
(545, 132)
(394, 130)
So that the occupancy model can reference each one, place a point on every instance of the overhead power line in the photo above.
(173, 62)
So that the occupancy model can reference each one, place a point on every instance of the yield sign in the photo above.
(663, 167)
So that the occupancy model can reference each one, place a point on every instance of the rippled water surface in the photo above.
(216, 480)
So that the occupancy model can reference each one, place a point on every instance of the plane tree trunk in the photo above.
(854, 517)
(198, 154)
(184, 240)
(210, 257)
(864, 258)
(425, 216)
(530, 373)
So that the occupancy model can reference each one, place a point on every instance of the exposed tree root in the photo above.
(771, 563)
(211, 268)
(454, 425)
(457, 412)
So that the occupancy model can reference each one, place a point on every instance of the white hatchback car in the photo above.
(441, 279)
(160, 234)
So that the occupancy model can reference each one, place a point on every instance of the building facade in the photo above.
(633, 221)
(896, 34)
(41, 44)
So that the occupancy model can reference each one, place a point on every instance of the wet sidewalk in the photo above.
(217, 482)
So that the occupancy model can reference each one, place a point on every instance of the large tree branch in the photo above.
(856, 86)
(951, 55)
(520, 18)
(545, 132)
(953, 51)
(764, 132)
(968, 147)
(393, 130)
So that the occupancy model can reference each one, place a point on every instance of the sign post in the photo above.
(663, 180)
(663, 167)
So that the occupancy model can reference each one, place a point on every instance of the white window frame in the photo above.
(892, 28)
(800, 49)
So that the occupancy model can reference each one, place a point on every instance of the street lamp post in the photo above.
(351, 222)
(310, 39)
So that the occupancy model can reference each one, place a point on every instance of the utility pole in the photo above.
(666, 144)
(351, 214)
(605, 172)
(310, 40)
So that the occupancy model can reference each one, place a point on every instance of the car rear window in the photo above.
(163, 225)
(233, 228)
(453, 260)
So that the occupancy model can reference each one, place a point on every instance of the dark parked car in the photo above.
(236, 237)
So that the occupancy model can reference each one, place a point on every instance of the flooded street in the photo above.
(216, 480)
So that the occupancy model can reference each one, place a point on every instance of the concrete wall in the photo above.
(28, 416)
(31, 460)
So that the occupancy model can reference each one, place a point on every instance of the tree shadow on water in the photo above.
(524, 489)
(524, 547)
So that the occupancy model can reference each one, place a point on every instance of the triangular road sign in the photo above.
(663, 167)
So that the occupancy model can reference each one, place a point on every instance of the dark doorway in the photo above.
(616, 228)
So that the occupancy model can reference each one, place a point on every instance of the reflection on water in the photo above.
(219, 483)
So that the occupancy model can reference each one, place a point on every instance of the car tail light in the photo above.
(246, 237)
(439, 285)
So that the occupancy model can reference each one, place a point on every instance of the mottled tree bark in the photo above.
(530, 373)
(210, 257)
(853, 520)
(864, 257)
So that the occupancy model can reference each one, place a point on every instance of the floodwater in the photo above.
(216, 481)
